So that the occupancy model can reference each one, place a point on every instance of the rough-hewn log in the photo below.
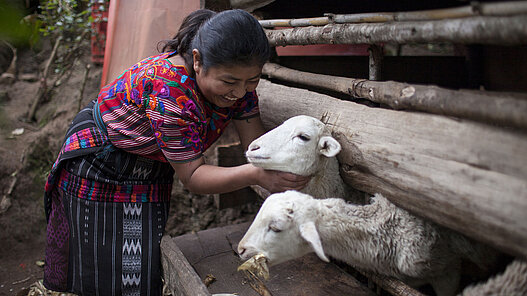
(490, 107)
(475, 9)
(467, 176)
(180, 277)
(472, 30)
(391, 285)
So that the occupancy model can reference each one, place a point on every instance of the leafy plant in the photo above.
(69, 20)
(12, 29)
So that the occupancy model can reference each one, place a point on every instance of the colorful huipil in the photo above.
(154, 110)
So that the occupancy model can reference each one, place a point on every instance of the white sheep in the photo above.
(379, 237)
(302, 145)
(512, 282)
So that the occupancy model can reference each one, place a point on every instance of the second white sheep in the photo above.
(379, 237)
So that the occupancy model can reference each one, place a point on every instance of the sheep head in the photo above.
(296, 146)
(283, 229)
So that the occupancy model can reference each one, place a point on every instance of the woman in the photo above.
(108, 194)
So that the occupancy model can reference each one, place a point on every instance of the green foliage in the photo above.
(12, 28)
(67, 18)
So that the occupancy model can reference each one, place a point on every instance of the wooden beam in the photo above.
(491, 107)
(179, 275)
(391, 285)
(475, 9)
(467, 176)
(472, 30)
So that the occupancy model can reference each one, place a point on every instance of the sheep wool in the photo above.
(379, 237)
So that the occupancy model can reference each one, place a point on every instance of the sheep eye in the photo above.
(274, 229)
(303, 138)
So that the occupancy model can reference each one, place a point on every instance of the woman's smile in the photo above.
(229, 98)
(224, 85)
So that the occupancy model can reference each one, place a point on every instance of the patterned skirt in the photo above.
(106, 212)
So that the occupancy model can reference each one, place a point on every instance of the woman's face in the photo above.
(223, 85)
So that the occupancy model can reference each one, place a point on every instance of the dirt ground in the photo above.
(25, 160)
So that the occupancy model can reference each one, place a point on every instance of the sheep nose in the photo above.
(254, 147)
(241, 250)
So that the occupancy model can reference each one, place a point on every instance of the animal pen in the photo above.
(455, 155)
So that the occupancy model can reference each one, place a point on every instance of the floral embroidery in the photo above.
(148, 87)
(161, 108)
(161, 141)
(163, 90)
(246, 105)
(136, 97)
(167, 93)
(150, 72)
(152, 103)
(188, 107)
(216, 121)
(111, 92)
(192, 137)
(120, 86)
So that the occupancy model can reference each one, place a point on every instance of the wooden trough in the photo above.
(455, 157)
(189, 259)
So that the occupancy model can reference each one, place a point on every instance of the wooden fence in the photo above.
(455, 157)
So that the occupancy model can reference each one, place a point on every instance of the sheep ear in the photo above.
(328, 146)
(309, 232)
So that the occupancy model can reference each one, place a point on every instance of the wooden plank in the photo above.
(213, 241)
(219, 261)
(190, 246)
(305, 276)
(180, 277)
(223, 267)
(467, 176)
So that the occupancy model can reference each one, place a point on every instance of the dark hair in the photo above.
(189, 27)
(224, 38)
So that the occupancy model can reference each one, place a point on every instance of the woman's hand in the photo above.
(275, 181)
(202, 178)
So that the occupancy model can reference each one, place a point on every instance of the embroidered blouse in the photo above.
(154, 109)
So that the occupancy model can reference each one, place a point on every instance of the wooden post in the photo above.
(375, 62)
(466, 176)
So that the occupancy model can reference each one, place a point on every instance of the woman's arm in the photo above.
(202, 178)
(249, 129)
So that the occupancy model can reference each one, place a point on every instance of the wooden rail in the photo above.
(490, 107)
(475, 9)
(510, 30)
(467, 176)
